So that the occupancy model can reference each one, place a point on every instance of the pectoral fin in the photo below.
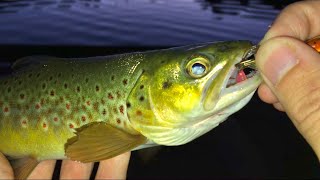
(22, 167)
(99, 141)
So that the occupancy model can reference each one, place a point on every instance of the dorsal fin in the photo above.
(22, 167)
(29, 61)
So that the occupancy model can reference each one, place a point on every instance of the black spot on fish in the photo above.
(9, 89)
(112, 78)
(125, 82)
(142, 86)
(87, 80)
(38, 75)
(97, 88)
(78, 89)
(166, 85)
(141, 98)
(163, 61)
(20, 82)
(43, 85)
(128, 105)
(52, 93)
(50, 78)
(59, 75)
(104, 112)
(30, 75)
(65, 85)
(118, 121)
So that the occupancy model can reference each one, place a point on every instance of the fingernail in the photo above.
(276, 62)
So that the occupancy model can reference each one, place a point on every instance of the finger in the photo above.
(75, 170)
(299, 20)
(266, 94)
(6, 171)
(114, 168)
(279, 106)
(44, 170)
(292, 71)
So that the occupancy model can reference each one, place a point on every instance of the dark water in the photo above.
(132, 22)
(256, 142)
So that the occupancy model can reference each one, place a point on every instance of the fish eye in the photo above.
(198, 67)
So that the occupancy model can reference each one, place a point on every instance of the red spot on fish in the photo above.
(71, 126)
(68, 106)
(88, 103)
(110, 96)
(37, 106)
(241, 76)
(55, 119)
(6, 109)
(24, 122)
(118, 121)
(21, 96)
(139, 113)
(121, 108)
(44, 125)
(83, 118)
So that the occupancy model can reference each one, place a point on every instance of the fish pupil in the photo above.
(198, 69)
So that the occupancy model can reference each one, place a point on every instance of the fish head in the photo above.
(193, 89)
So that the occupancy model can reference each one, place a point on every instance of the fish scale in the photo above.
(51, 98)
(95, 108)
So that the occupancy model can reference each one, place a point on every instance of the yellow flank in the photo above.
(34, 142)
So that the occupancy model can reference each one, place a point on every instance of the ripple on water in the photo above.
(132, 22)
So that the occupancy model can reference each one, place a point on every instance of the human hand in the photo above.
(291, 69)
(114, 168)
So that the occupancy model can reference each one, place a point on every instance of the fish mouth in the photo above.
(240, 81)
(242, 71)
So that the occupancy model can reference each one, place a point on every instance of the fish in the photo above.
(91, 109)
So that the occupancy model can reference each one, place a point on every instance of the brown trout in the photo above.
(91, 109)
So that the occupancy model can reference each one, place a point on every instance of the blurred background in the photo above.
(256, 142)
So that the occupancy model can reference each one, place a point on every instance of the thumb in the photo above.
(291, 69)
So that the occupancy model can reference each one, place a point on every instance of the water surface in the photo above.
(133, 22)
